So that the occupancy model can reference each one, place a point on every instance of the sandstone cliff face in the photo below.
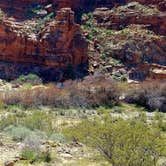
(43, 32)
(60, 43)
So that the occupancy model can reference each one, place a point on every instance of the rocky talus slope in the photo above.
(135, 34)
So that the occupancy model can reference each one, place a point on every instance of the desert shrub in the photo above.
(91, 92)
(30, 78)
(20, 133)
(151, 95)
(10, 98)
(94, 92)
(33, 152)
(45, 156)
(28, 155)
(7, 121)
(159, 121)
(122, 142)
(37, 120)
(58, 137)
(33, 156)
(32, 142)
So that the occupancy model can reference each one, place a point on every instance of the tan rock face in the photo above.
(58, 44)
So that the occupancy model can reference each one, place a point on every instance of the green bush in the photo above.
(122, 142)
(40, 23)
(33, 156)
(28, 155)
(45, 157)
(30, 78)
(7, 121)
(37, 120)
(159, 121)
(102, 110)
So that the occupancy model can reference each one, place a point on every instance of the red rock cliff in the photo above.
(58, 44)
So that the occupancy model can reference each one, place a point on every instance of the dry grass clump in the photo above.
(91, 92)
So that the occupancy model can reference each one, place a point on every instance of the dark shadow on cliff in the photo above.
(25, 11)
(90, 5)
(11, 71)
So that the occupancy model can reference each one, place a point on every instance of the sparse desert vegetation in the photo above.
(95, 114)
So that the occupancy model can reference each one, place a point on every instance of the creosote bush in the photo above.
(122, 142)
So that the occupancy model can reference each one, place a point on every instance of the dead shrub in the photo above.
(148, 94)
(91, 92)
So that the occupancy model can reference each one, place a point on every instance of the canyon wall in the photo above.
(44, 32)
(58, 44)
